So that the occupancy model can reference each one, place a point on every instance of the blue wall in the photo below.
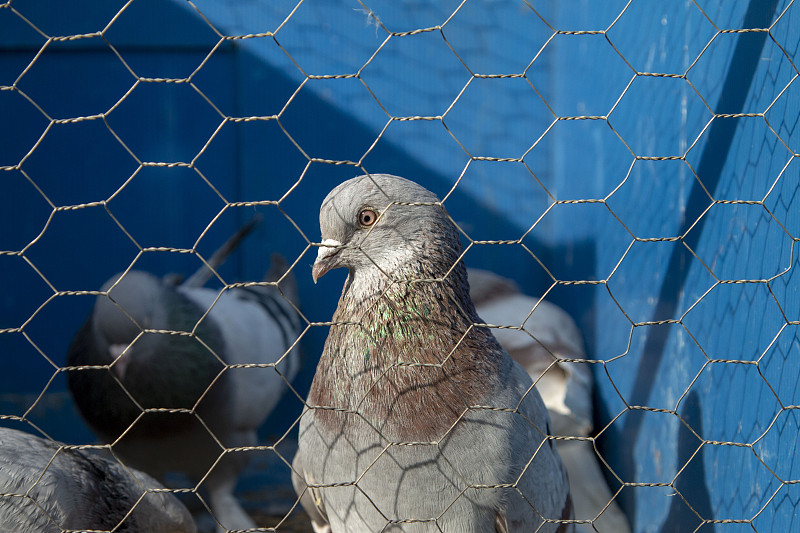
(684, 200)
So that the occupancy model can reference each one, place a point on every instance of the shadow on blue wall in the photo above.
(718, 145)
(693, 502)
(81, 162)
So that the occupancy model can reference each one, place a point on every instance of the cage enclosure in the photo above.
(634, 162)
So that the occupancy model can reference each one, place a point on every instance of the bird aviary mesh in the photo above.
(636, 162)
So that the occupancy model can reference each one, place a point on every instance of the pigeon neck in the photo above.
(405, 354)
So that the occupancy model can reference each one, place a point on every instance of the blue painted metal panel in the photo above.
(663, 366)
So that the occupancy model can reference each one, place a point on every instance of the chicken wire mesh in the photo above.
(634, 162)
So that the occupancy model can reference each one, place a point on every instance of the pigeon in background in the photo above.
(47, 488)
(149, 344)
(549, 333)
(416, 420)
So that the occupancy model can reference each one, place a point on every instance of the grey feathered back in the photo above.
(47, 488)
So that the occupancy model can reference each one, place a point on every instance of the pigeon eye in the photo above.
(367, 217)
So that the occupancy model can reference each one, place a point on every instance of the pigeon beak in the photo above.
(325, 258)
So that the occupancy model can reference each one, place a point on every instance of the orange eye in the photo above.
(367, 217)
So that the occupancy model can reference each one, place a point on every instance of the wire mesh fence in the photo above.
(633, 162)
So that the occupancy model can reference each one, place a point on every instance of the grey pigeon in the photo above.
(46, 488)
(417, 420)
(541, 334)
(162, 369)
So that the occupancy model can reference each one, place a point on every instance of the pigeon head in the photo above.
(408, 294)
(130, 307)
(380, 223)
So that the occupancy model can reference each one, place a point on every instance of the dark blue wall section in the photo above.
(640, 149)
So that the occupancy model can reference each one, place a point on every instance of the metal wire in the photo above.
(600, 361)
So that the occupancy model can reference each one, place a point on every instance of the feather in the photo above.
(417, 419)
(46, 487)
(182, 362)
(540, 336)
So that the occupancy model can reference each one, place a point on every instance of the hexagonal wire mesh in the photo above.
(634, 162)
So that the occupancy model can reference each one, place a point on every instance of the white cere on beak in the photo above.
(115, 350)
(328, 248)
(120, 361)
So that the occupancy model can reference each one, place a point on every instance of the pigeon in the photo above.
(46, 487)
(151, 345)
(417, 420)
(540, 336)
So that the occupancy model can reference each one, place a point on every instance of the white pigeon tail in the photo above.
(172, 348)
(546, 335)
(417, 420)
(47, 488)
